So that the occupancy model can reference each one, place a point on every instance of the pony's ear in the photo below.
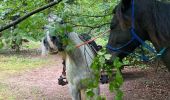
(125, 5)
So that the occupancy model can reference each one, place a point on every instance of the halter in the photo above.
(137, 38)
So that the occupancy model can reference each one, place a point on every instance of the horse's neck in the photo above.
(80, 56)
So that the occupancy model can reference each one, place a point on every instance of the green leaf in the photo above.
(102, 60)
(70, 48)
(96, 82)
(107, 56)
(119, 95)
(117, 63)
(101, 53)
(111, 86)
(119, 78)
(90, 93)
(69, 28)
(1, 44)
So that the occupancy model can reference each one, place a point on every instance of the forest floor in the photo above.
(42, 83)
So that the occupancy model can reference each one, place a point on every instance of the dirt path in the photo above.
(41, 84)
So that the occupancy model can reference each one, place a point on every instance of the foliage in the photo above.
(30, 29)
(78, 13)
(140, 57)
(100, 63)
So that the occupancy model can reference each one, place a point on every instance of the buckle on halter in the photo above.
(161, 52)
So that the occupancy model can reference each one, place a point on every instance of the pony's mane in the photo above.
(83, 54)
(74, 38)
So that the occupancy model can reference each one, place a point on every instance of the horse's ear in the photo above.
(125, 5)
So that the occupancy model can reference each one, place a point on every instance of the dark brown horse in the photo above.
(151, 22)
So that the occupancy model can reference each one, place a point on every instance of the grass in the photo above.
(5, 93)
(12, 63)
(18, 63)
(32, 45)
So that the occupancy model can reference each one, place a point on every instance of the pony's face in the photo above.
(51, 44)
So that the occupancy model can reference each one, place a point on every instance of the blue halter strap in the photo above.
(136, 37)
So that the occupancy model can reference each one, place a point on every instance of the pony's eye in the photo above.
(53, 38)
(44, 41)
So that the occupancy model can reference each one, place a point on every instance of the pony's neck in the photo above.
(82, 55)
(74, 37)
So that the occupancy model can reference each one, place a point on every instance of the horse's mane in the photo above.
(160, 17)
(81, 55)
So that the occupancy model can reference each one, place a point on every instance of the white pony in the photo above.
(78, 62)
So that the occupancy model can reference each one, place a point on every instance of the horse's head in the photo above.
(120, 35)
(117, 37)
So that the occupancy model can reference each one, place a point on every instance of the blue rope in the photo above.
(116, 49)
(142, 57)
(136, 37)
(119, 48)
(133, 15)
(141, 41)
(133, 30)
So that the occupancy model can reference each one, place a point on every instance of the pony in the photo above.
(49, 43)
(77, 61)
(148, 20)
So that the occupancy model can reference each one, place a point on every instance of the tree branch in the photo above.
(88, 26)
(92, 15)
(4, 27)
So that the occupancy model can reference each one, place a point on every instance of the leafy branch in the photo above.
(17, 21)
(115, 81)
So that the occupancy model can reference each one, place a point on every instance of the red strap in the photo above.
(86, 42)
